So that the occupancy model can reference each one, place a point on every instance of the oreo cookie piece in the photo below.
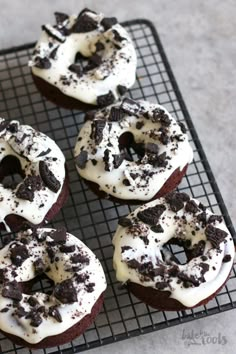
(191, 207)
(82, 159)
(130, 106)
(122, 89)
(117, 36)
(94, 61)
(53, 53)
(116, 114)
(99, 46)
(117, 160)
(125, 222)
(12, 291)
(151, 148)
(176, 201)
(157, 228)
(84, 23)
(23, 192)
(18, 255)
(48, 177)
(65, 292)
(151, 215)
(97, 130)
(54, 33)
(42, 63)
(54, 312)
(105, 100)
(183, 128)
(76, 68)
(215, 235)
(60, 17)
(59, 235)
(3, 125)
(108, 22)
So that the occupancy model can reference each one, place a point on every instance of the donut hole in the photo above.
(131, 150)
(40, 283)
(175, 251)
(11, 173)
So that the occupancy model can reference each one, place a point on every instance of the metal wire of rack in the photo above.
(94, 220)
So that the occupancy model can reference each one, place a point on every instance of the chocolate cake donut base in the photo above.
(54, 95)
(160, 300)
(65, 337)
(17, 222)
(172, 183)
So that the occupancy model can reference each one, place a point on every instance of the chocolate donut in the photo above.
(143, 259)
(40, 164)
(103, 152)
(38, 319)
(84, 60)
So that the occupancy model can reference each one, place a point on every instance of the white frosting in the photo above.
(148, 179)
(27, 144)
(154, 251)
(118, 65)
(70, 313)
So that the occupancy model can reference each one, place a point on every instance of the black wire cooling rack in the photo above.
(94, 220)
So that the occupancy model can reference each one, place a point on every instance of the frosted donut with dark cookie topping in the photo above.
(43, 185)
(103, 152)
(87, 58)
(39, 320)
(144, 261)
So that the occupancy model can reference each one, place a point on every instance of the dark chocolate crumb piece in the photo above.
(130, 106)
(139, 125)
(125, 222)
(182, 127)
(116, 114)
(191, 207)
(80, 258)
(117, 36)
(60, 17)
(108, 22)
(99, 46)
(198, 249)
(67, 249)
(76, 68)
(65, 292)
(90, 287)
(176, 200)
(215, 235)
(117, 160)
(33, 301)
(157, 228)
(122, 89)
(42, 63)
(20, 312)
(213, 218)
(227, 258)
(5, 309)
(188, 278)
(151, 215)
(81, 278)
(23, 192)
(125, 248)
(18, 255)
(203, 258)
(59, 235)
(35, 317)
(126, 182)
(161, 285)
(81, 159)
(3, 125)
(202, 218)
(105, 100)
(133, 263)
(106, 159)
(39, 266)
(13, 128)
(54, 312)
(48, 177)
(94, 162)
(84, 23)
(51, 254)
(44, 153)
(97, 130)
(159, 161)
(12, 291)
(151, 148)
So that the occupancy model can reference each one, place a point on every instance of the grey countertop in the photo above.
(200, 41)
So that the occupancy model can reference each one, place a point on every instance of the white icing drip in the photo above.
(140, 188)
(118, 67)
(27, 153)
(189, 297)
(70, 313)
